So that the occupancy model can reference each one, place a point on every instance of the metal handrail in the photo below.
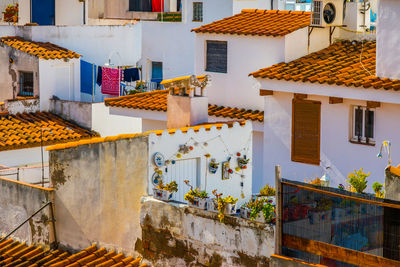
(30, 217)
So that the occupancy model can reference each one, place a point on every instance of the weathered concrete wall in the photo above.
(98, 191)
(15, 106)
(9, 72)
(392, 185)
(183, 236)
(78, 112)
(18, 201)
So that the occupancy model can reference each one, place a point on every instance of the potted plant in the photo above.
(378, 189)
(222, 205)
(268, 192)
(164, 192)
(10, 14)
(213, 166)
(259, 210)
(242, 162)
(196, 198)
(358, 180)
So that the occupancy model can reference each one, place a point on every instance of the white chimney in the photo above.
(388, 39)
(187, 104)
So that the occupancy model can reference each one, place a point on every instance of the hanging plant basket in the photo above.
(242, 162)
(161, 194)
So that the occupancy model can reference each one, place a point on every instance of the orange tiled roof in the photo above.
(259, 22)
(14, 253)
(157, 101)
(338, 64)
(39, 49)
(24, 130)
(206, 126)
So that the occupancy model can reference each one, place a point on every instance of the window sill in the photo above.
(197, 21)
(362, 143)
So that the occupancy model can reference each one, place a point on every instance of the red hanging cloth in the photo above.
(158, 5)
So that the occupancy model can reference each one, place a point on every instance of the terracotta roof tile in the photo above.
(24, 130)
(157, 101)
(259, 22)
(338, 64)
(14, 253)
(39, 49)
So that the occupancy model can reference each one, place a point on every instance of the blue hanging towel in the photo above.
(131, 75)
(99, 76)
(87, 77)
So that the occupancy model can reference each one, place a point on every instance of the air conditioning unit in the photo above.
(327, 13)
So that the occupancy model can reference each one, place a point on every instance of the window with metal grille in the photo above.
(363, 122)
(316, 17)
(306, 129)
(217, 56)
(197, 11)
(26, 83)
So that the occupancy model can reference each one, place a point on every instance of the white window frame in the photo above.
(354, 138)
(194, 19)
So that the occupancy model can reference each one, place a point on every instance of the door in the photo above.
(180, 171)
(43, 12)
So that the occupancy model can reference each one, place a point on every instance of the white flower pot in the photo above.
(161, 194)
(245, 213)
(200, 203)
(212, 205)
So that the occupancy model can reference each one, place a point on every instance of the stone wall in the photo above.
(98, 191)
(15, 106)
(77, 112)
(19, 201)
(176, 235)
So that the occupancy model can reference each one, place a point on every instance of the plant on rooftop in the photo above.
(267, 191)
(316, 181)
(378, 189)
(358, 180)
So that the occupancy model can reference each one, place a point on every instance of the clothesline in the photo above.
(107, 77)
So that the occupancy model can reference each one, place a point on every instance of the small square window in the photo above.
(197, 11)
(217, 56)
(26, 83)
(363, 125)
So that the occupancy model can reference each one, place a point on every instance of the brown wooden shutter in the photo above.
(306, 131)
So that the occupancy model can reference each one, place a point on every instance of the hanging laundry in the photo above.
(131, 75)
(99, 75)
(110, 81)
(158, 5)
(87, 77)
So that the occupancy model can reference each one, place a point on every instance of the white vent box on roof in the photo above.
(327, 13)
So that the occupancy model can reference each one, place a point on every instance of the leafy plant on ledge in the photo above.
(223, 203)
(358, 180)
(378, 189)
(194, 193)
(171, 187)
(261, 205)
(267, 191)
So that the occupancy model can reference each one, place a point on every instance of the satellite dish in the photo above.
(329, 13)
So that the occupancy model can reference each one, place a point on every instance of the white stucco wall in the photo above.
(238, 5)
(69, 12)
(388, 39)
(107, 124)
(96, 44)
(245, 55)
(336, 150)
(58, 78)
(22, 157)
(221, 144)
